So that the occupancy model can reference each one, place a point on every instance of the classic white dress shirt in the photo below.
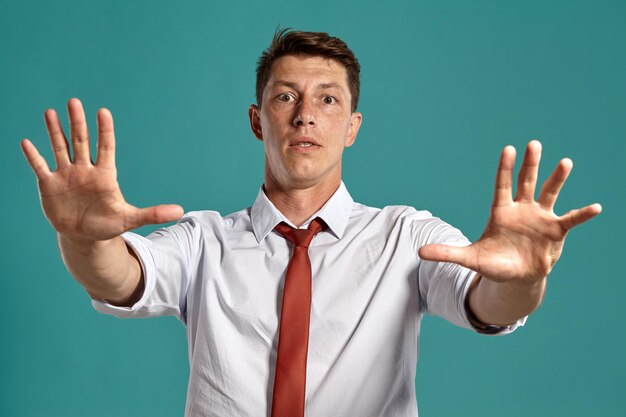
(223, 278)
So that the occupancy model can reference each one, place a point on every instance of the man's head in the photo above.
(305, 114)
(314, 44)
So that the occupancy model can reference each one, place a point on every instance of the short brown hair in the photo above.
(290, 42)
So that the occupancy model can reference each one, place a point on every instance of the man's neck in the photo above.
(299, 204)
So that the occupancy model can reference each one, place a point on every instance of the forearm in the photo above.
(107, 269)
(503, 303)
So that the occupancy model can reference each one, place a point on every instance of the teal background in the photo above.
(445, 85)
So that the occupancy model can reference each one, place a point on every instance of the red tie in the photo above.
(293, 337)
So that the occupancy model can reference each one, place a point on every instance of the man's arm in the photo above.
(503, 304)
(84, 204)
(522, 241)
(107, 269)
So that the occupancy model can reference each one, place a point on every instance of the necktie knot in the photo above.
(300, 237)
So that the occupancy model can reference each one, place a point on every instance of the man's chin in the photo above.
(311, 180)
(304, 177)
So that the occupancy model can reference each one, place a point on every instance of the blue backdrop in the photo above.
(445, 85)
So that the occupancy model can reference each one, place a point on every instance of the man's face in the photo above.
(305, 121)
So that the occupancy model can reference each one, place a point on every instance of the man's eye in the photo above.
(285, 97)
(329, 100)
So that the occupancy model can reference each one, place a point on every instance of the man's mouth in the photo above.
(303, 142)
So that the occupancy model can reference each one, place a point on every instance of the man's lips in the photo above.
(303, 143)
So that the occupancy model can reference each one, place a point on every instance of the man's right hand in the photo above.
(83, 202)
(81, 199)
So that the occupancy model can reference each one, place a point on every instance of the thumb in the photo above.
(444, 253)
(155, 215)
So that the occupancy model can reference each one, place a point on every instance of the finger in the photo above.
(527, 178)
(154, 215)
(551, 188)
(58, 141)
(445, 253)
(35, 160)
(106, 140)
(78, 131)
(503, 192)
(575, 217)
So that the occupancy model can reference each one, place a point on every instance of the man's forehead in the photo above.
(298, 69)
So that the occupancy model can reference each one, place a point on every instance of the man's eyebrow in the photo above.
(294, 85)
(329, 85)
(284, 83)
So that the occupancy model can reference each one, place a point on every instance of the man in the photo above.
(369, 274)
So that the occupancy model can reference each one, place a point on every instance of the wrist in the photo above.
(502, 303)
(82, 245)
(516, 284)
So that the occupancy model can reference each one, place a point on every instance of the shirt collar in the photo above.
(335, 213)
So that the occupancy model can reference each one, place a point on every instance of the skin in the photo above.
(521, 243)
(84, 204)
(307, 100)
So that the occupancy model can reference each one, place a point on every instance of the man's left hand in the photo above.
(523, 238)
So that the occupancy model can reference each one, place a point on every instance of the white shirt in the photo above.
(223, 278)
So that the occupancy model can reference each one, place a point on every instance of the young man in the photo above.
(336, 332)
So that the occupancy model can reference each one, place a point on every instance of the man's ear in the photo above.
(355, 123)
(255, 121)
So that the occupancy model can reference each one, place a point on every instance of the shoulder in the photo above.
(202, 222)
(201, 230)
(421, 226)
(391, 214)
(213, 220)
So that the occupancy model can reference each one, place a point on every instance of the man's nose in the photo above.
(304, 114)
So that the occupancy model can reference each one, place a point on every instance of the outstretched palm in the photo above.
(523, 238)
(81, 199)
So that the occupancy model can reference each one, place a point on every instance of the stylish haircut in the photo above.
(290, 42)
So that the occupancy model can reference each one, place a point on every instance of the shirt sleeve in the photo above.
(444, 286)
(166, 257)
